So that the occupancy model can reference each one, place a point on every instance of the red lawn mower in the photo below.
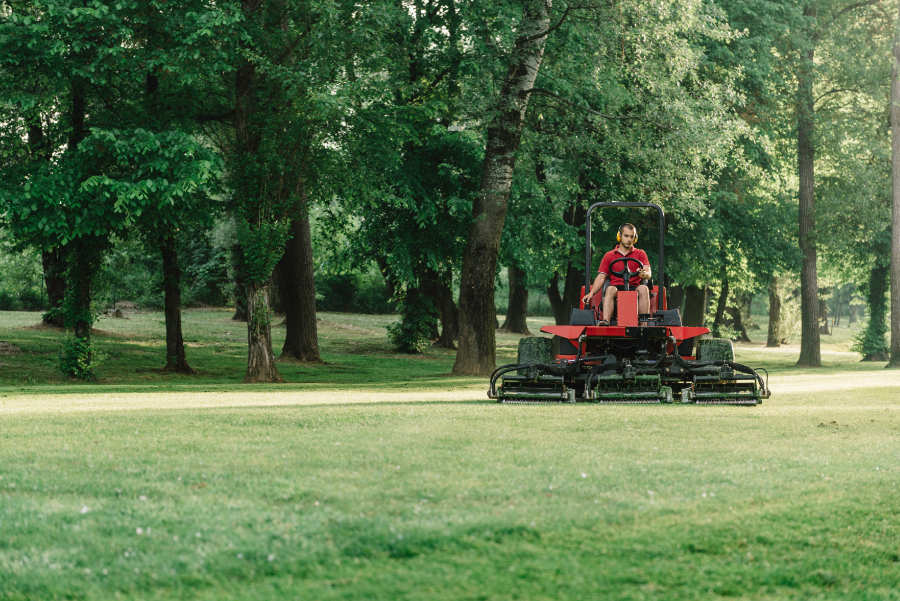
(635, 359)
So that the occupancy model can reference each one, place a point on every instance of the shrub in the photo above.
(79, 359)
(8, 301)
(418, 320)
(31, 300)
(350, 292)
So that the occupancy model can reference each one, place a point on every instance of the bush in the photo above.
(357, 293)
(8, 302)
(21, 277)
(79, 359)
(31, 300)
(871, 342)
(418, 321)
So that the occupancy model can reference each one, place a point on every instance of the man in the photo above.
(627, 236)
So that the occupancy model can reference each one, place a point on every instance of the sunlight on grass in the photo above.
(377, 476)
(795, 499)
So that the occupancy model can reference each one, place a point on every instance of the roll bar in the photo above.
(588, 255)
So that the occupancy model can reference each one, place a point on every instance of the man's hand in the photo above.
(645, 272)
(586, 299)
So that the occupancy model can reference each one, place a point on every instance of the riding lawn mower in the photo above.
(648, 358)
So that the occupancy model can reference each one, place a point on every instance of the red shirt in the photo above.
(634, 253)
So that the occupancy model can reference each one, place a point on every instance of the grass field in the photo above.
(375, 476)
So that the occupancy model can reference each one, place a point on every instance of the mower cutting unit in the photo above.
(636, 359)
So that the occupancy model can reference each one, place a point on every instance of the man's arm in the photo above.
(645, 272)
(595, 287)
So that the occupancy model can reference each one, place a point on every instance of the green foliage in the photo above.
(353, 292)
(871, 341)
(206, 262)
(21, 283)
(129, 273)
(78, 358)
(262, 245)
(645, 116)
(418, 322)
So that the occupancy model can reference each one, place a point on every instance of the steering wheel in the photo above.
(625, 273)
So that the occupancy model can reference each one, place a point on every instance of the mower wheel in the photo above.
(715, 349)
(535, 349)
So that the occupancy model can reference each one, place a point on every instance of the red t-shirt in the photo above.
(634, 253)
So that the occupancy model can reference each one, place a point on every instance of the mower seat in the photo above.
(669, 317)
(582, 317)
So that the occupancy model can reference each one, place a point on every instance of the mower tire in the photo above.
(715, 349)
(535, 349)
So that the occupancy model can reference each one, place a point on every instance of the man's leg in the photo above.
(643, 299)
(609, 300)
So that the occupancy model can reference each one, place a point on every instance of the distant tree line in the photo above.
(442, 141)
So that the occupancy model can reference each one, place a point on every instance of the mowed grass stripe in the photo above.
(791, 393)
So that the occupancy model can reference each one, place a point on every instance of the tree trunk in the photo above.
(175, 357)
(694, 305)
(296, 284)
(675, 298)
(389, 282)
(260, 358)
(720, 307)
(477, 351)
(84, 255)
(437, 287)
(517, 309)
(84, 261)
(810, 351)
(240, 284)
(556, 300)
(54, 263)
(78, 130)
(823, 317)
(737, 318)
(895, 196)
(449, 314)
(563, 304)
(773, 337)
(838, 307)
(873, 345)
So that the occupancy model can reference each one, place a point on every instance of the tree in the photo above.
(517, 306)
(415, 149)
(296, 285)
(283, 80)
(809, 296)
(476, 354)
(121, 157)
(895, 196)
(59, 61)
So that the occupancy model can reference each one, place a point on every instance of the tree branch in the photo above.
(547, 31)
(569, 103)
(833, 91)
(849, 8)
(203, 118)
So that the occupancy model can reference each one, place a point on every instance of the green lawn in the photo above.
(377, 477)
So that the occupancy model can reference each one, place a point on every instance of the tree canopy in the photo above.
(442, 142)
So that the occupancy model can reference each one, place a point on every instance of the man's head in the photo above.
(627, 235)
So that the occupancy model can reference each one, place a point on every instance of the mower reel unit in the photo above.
(636, 359)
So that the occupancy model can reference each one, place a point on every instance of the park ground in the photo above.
(378, 476)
